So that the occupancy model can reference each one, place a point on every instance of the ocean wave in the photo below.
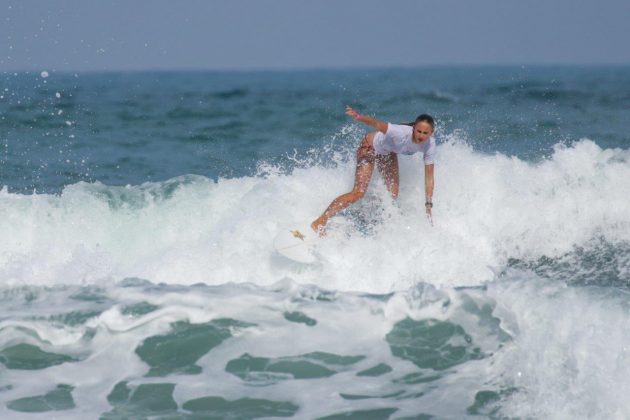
(489, 210)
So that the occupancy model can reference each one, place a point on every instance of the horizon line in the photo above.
(315, 68)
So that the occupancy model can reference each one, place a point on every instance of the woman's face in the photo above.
(422, 131)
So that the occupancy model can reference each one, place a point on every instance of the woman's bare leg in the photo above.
(365, 167)
(388, 167)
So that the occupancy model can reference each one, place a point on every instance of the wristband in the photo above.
(428, 204)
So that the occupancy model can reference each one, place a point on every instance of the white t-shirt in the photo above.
(398, 139)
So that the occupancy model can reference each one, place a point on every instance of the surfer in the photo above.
(380, 148)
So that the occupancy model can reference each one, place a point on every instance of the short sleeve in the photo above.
(396, 131)
(429, 154)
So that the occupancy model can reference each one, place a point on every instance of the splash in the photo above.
(489, 210)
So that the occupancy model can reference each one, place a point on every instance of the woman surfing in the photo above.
(380, 148)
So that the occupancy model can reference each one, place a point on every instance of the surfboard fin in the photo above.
(297, 234)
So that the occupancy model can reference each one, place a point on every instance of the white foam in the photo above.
(566, 358)
(348, 325)
(570, 356)
(488, 208)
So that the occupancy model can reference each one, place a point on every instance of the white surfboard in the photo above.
(296, 243)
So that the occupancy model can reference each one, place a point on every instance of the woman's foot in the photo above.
(319, 226)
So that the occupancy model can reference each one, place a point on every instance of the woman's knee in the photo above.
(356, 195)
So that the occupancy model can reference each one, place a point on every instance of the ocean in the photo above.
(138, 277)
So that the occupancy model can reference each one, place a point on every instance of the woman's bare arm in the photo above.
(372, 122)
(429, 183)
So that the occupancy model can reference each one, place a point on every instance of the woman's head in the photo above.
(423, 128)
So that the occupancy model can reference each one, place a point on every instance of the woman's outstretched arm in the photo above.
(372, 122)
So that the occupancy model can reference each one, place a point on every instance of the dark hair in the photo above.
(423, 118)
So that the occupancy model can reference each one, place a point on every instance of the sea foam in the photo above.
(190, 229)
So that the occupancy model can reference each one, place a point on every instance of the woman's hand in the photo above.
(367, 120)
(428, 209)
(352, 113)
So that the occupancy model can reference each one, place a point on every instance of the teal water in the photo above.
(129, 128)
(138, 277)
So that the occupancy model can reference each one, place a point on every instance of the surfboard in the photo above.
(296, 243)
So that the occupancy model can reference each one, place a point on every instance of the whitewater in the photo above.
(190, 229)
